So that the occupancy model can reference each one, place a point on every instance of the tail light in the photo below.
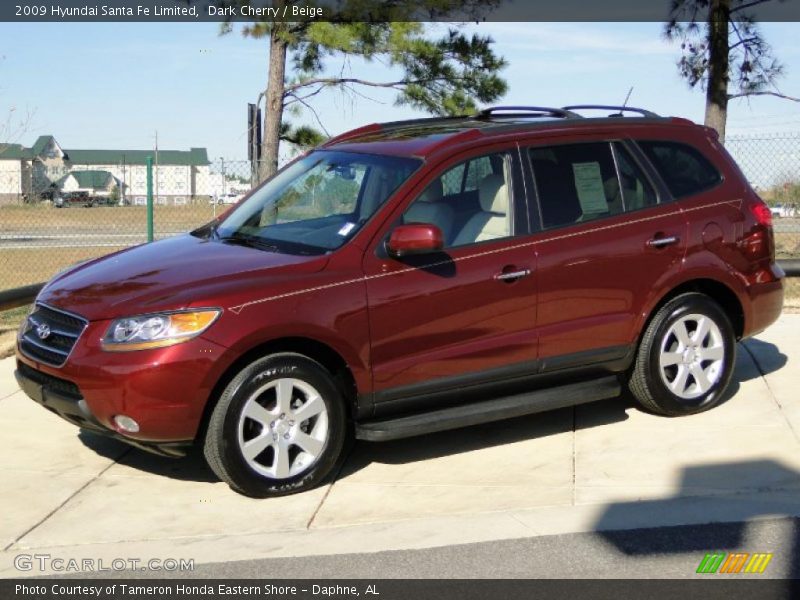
(759, 242)
(762, 213)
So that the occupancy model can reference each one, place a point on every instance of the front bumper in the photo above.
(62, 398)
(164, 390)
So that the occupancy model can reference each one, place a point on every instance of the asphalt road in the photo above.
(663, 552)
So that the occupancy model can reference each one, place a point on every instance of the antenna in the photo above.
(628, 97)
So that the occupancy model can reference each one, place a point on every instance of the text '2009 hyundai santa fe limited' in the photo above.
(413, 277)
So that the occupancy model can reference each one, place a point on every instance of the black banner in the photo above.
(712, 588)
(369, 10)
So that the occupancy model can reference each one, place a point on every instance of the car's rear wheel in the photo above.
(278, 428)
(686, 357)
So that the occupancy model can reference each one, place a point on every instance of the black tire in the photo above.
(646, 382)
(222, 447)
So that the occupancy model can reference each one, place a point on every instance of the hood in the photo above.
(171, 274)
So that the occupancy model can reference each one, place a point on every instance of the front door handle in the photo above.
(510, 276)
(660, 242)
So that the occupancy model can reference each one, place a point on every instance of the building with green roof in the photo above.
(37, 172)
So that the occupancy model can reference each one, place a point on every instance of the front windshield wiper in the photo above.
(250, 241)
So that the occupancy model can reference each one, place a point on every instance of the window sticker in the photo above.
(589, 184)
(346, 228)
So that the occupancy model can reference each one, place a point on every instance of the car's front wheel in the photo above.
(278, 428)
(686, 357)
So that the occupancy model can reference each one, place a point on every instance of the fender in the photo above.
(709, 270)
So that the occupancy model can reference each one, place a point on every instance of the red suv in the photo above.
(417, 276)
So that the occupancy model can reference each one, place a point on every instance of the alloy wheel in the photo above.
(692, 356)
(283, 428)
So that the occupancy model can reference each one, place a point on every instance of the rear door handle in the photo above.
(660, 242)
(512, 275)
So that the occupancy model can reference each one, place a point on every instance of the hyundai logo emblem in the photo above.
(43, 331)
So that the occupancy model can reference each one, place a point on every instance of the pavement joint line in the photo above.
(11, 394)
(574, 452)
(521, 522)
(781, 408)
(124, 453)
(335, 478)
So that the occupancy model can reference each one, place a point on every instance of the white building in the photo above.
(35, 173)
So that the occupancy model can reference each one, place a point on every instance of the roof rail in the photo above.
(390, 126)
(621, 109)
(423, 121)
(562, 113)
(364, 129)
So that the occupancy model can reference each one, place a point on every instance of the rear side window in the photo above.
(573, 182)
(684, 169)
(583, 182)
(635, 189)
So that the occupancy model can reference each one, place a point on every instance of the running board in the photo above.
(490, 410)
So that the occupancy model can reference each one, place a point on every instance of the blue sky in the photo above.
(113, 85)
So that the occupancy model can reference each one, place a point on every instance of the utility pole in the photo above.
(254, 139)
(224, 182)
(156, 153)
(149, 163)
(123, 169)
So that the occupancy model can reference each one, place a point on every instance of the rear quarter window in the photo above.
(684, 169)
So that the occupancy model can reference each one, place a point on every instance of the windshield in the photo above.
(316, 204)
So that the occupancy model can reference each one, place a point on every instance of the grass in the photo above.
(791, 292)
(44, 218)
(24, 266)
(787, 245)
(10, 320)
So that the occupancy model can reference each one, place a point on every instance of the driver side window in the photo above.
(469, 202)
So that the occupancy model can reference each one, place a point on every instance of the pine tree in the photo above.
(444, 76)
(724, 53)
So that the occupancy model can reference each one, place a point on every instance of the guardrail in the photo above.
(790, 266)
(25, 295)
(19, 296)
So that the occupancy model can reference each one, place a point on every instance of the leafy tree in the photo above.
(721, 45)
(444, 76)
(12, 127)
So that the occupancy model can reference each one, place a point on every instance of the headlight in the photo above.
(25, 325)
(157, 330)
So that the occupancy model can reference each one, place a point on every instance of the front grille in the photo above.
(50, 334)
(56, 384)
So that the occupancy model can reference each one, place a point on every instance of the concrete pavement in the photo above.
(599, 467)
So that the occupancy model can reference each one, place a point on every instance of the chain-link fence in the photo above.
(55, 213)
(52, 216)
(772, 165)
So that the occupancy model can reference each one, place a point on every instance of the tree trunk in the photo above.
(273, 116)
(718, 51)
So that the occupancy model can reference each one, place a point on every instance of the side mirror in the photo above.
(414, 238)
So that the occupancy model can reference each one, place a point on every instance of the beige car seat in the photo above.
(492, 222)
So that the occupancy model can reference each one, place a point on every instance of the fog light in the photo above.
(126, 424)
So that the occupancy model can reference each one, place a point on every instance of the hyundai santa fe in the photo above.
(417, 276)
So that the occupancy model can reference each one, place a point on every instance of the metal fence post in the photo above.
(149, 198)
